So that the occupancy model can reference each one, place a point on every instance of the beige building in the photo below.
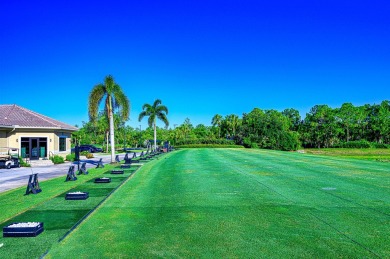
(36, 135)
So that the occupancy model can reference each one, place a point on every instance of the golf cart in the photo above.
(9, 157)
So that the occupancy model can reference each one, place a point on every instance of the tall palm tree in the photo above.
(233, 122)
(216, 122)
(155, 111)
(114, 98)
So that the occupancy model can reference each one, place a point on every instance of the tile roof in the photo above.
(14, 115)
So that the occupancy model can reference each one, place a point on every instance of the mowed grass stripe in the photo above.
(350, 178)
(337, 203)
(211, 203)
(58, 215)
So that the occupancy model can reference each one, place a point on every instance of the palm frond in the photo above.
(142, 115)
(109, 83)
(151, 120)
(146, 106)
(156, 103)
(161, 108)
(122, 102)
(95, 97)
(163, 118)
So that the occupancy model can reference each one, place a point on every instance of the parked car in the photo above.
(90, 148)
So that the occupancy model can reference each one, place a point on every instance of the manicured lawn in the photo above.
(50, 207)
(372, 154)
(225, 203)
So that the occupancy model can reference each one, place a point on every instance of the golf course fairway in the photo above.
(241, 203)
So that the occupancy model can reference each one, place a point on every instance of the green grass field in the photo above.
(372, 154)
(241, 203)
(50, 207)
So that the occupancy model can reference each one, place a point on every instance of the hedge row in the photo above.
(361, 144)
(208, 146)
(205, 141)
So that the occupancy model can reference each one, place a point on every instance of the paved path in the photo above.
(16, 177)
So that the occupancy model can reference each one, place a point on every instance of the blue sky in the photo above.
(200, 58)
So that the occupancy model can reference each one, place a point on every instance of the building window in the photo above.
(62, 144)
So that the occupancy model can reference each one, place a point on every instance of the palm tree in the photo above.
(155, 111)
(115, 98)
(217, 121)
(233, 122)
(186, 127)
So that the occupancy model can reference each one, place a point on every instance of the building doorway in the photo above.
(33, 148)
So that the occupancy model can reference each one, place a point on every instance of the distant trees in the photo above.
(323, 126)
(294, 117)
(268, 129)
(216, 121)
(327, 127)
(231, 122)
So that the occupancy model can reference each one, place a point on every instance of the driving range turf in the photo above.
(237, 203)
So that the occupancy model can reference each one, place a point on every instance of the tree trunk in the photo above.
(112, 133)
(155, 135)
(107, 141)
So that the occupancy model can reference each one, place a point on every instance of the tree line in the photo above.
(322, 127)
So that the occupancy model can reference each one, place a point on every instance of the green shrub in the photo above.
(84, 153)
(355, 144)
(254, 145)
(70, 157)
(205, 141)
(23, 163)
(57, 159)
(247, 142)
(208, 146)
(288, 141)
(381, 145)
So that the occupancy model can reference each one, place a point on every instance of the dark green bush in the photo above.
(57, 159)
(278, 140)
(70, 157)
(23, 163)
(288, 141)
(354, 144)
(381, 145)
(247, 142)
(205, 141)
